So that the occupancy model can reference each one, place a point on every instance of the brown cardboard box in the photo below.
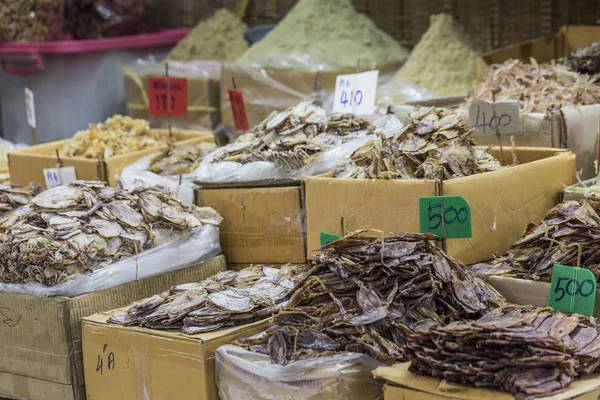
(262, 224)
(41, 352)
(152, 364)
(404, 385)
(27, 164)
(502, 202)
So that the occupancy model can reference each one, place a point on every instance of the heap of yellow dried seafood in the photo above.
(538, 87)
(117, 135)
(432, 140)
(180, 159)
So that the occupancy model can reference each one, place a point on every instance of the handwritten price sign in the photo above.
(59, 176)
(488, 118)
(572, 290)
(356, 93)
(167, 96)
(106, 358)
(455, 216)
(238, 109)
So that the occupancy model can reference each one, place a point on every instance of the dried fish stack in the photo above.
(12, 196)
(227, 299)
(529, 352)
(585, 61)
(292, 138)
(180, 159)
(567, 235)
(70, 230)
(367, 293)
(432, 140)
(540, 88)
(117, 135)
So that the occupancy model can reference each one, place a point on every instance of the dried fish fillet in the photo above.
(180, 159)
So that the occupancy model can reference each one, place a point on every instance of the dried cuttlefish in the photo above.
(366, 294)
(432, 140)
(540, 88)
(70, 230)
(567, 235)
(13, 196)
(585, 61)
(177, 160)
(117, 135)
(527, 351)
(227, 299)
(292, 138)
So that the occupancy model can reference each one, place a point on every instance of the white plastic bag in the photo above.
(242, 374)
(199, 245)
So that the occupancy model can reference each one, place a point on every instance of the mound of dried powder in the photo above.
(330, 33)
(221, 37)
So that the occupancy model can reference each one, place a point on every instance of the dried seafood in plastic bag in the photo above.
(585, 61)
(117, 135)
(527, 351)
(432, 140)
(566, 234)
(539, 88)
(73, 229)
(365, 294)
(229, 298)
(180, 159)
(13, 196)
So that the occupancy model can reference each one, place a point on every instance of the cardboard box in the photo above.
(27, 165)
(153, 364)
(41, 352)
(262, 223)
(404, 385)
(502, 202)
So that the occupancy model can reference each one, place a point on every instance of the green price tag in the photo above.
(572, 290)
(327, 238)
(456, 216)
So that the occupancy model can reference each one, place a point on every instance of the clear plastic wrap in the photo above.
(398, 91)
(203, 92)
(242, 374)
(94, 19)
(31, 20)
(199, 245)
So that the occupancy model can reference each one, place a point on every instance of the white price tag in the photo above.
(355, 93)
(185, 194)
(30, 108)
(59, 176)
(503, 116)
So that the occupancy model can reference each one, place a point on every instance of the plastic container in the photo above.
(75, 82)
(256, 33)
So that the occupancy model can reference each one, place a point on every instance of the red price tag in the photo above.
(239, 110)
(163, 97)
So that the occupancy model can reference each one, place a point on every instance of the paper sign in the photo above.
(456, 216)
(327, 238)
(238, 109)
(165, 93)
(486, 118)
(572, 290)
(59, 176)
(355, 93)
(30, 108)
(185, 194)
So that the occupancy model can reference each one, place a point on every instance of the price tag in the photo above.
(456, 216)
(238, 109)
(106, 360)
(30, 108)
(59, 176)
(572, 290)
(355, 93)
(486, 118)
(185, 194)
(165, 93)
(327, 238)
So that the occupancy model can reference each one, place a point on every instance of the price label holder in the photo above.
(327, 238)
(167, 96)
(572, 290)
(59, 176)
(238, 109)
(452, 220)
(355, 93)
(489, 118)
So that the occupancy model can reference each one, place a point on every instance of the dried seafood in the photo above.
(539, 88)
(432, 140)
(527, 351)
(366, 294)
(565, 235)
(117, 135)
(180, 159)
(70, 230)
(292, 138)
(226, 299)
(13, 196)
(585, 61)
